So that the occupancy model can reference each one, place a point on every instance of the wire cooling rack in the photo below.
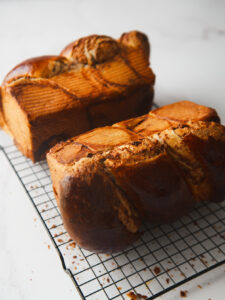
(163, 258)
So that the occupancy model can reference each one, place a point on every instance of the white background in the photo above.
(188, 56)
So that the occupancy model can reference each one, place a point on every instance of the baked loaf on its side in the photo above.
(96, 81)
(152, 168)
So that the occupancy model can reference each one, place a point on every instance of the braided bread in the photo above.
(96, 81)
(152, 168)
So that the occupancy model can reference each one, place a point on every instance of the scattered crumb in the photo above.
(134, 296)
(72, 245)
(183, 294)
(74, 256)
(167, 280)
(35, 219)
(157, 270)
(46, 205)
(199, 286)
(81, 259)
(43, 210)
(108, 280)
(119, 288)
(49, 246)
(182, 274)
(75, 268)
(53, 226)
(60, 240)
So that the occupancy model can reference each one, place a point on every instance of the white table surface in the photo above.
(188, 57)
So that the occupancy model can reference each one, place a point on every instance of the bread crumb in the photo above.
(134, 296)
(199, 286)
(157, 270)
(183, 294)
(72, 245)
(60, 240)
(49, 246)
(53, 226)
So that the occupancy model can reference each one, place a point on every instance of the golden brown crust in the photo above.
(37, 67)
(186, 111)
(96, 81)
(155, 169)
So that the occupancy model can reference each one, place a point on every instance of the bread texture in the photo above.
(152, 168)
(95, 81)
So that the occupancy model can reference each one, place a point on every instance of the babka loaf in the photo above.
(152, 168)
(96, 81)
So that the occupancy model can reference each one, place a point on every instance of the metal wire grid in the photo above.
(163, 258)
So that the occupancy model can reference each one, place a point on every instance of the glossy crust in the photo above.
(99, 220)
(96, 81)
(153, 168)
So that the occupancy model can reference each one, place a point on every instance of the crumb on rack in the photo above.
(157, 270)
(134, 296)
(72, 245)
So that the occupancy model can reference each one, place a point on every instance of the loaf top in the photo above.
(131, 131)
(89, 69)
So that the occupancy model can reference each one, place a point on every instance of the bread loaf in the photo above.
(152, 168)
(96, 81)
